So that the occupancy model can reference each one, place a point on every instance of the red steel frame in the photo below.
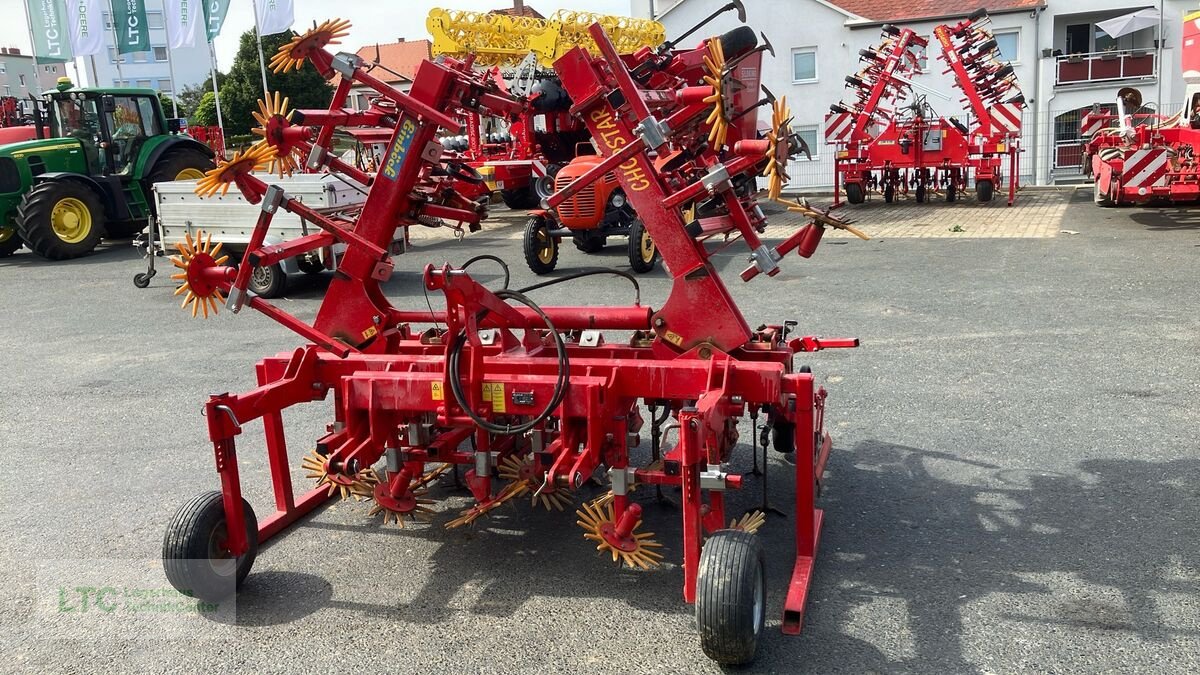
(891, 155)
(697, 355)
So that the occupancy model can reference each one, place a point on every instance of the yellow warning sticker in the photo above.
(673, 337)
(436, 391)
(494, 392)
(370, 333)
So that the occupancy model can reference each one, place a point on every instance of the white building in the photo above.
(1062, 61)
(150, 69)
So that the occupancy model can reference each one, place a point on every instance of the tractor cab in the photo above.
(111, 125)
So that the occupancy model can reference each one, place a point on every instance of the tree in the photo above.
(189, 97)
(242, 87)
(205, 114)
(168, 106)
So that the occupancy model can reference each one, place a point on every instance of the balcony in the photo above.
(1107, 66)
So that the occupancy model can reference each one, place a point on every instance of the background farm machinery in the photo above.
(533, 400)
(889, 140)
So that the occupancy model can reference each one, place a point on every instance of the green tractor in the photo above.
(88, 174)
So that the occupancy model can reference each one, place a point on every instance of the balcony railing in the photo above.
(1127, 64)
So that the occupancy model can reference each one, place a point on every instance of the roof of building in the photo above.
(912, 10)
(527, 11)
(402, 57)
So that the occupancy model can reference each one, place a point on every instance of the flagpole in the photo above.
(95, 76)
(116, 52)
(262, 62)
(37, 81)
(174, 84)
(212, 69)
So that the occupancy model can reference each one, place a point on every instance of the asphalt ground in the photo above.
(1013, 486)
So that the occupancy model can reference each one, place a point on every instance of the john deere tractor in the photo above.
(88, 174)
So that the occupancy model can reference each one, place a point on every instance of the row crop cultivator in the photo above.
(889, 140)
(532, 400)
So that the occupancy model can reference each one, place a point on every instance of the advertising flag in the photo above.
(86, 21)
(185, 20)
(51, 41)
(129, 22)
(214, 16)
(275, 16)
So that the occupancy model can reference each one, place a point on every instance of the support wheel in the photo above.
(951, 193)
(984, 190)
(731, 597)
(194, 555)
(889, 193)
(854, 193)
(268, 282)
(920, 194)
(60, 219)
(541, 249)
(519, 200)
(142, 279)
(783, 436)
(643, 254)
(589, 242)
(1102, 198)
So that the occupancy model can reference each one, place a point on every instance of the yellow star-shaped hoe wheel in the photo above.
(619, 536)
(718, 120)
(779, 148)
(522, 471)
(360, 486)
(273, 117)
(195, 256)
(254, 158)
(293, 54)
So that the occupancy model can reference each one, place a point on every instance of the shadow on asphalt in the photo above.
(1164, 219)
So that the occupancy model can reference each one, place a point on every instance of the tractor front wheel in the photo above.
(643, 254)
(731, 597)
(10, 241)
(60, 219)
(195, 556)
(541, 249)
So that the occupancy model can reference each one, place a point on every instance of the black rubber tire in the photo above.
(12, 243)
(889, 194)
(141, 280)
(308, 266)
(536, 232)
(169, 166)
(920, 194)
(268, 282)
(637, 236)
(1102, 199)
(738, 41)
(951, 193)
(783, 437)
(589, 242)
(855, 194)
(525, 198)
(35, 229)
(984, 190)
(191, 542)
(731, 597)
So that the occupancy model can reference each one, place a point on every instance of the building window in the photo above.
(143, 84)
(141, 57)
(154, 19)
(1008, 44)
(810, 135)
(7, 90)
(804, 65)
(164, 86)
(3, 68)
(22, 78)
(922, 54)
(160, 53)
(114, 57)
(108, 21)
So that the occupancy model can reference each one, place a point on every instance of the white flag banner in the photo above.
(185, 22)
(86, 21)
(275, 16)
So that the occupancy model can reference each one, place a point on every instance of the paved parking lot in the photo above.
(1013, 486)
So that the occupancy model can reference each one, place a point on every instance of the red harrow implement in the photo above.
(888, 145)
(532, 400)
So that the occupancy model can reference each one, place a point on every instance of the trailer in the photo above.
(890, 140)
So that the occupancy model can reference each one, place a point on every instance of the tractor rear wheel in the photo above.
(518, 200)
(541, 249)
(10, 241)
(731, 596)
(984, 190)
(60, 219)
(589, 242)
(854, 193)
(643, 254)
(194, 551)
(182, 164)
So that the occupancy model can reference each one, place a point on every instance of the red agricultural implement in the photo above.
(890, 141)
(534, 401)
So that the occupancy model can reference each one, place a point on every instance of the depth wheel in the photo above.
(643, 254)
(951, 192)
(731, 596)
(1102, 198)
(541, 249)
(854, 193)
(984, 190)
(194, 555)
(889, 194)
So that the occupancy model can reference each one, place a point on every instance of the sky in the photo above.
(373, 20)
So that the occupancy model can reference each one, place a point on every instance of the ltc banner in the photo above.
(184, 20)
(50, 37)
(86, 19)
(129, 21)
(275, 16)
(214, 16)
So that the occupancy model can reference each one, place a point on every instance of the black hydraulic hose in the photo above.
(560, 383)
(637, 289)
(503, 265)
